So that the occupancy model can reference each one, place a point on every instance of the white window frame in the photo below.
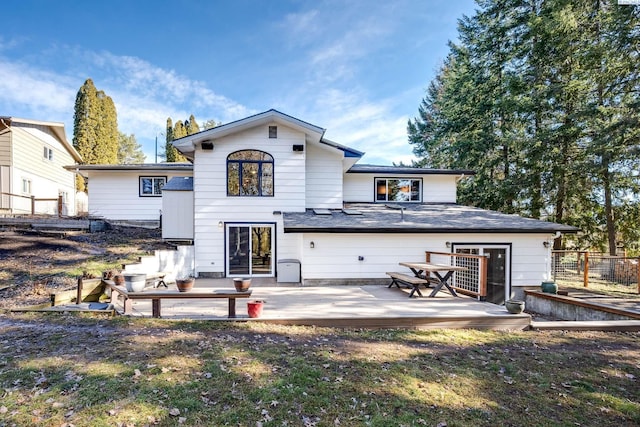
(48, 153)
(26, 186)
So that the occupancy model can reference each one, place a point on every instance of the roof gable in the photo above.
(57, 129)
(187, 144)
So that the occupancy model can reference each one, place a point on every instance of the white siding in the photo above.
(439, 189)
(213, 206)
(48, 177)
(115, 195)
(360, 187)
(177, 215)
(335, 256)
(324, 178)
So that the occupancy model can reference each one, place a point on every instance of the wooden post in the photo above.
(586, 270)
(79, 292)
(33, 205)
(60, 206)
(638, 272)
(482, 292)
(427, 257)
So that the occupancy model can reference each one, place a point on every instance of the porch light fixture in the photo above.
(545, 243)
(448, 244)
(220, 224)
(312, 245)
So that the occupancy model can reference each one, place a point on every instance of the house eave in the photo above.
(413, 230)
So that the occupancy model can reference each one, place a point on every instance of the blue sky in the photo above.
(359, 69)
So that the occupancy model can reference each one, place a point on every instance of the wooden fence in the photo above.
(20, 204)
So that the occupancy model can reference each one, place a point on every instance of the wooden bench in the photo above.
(412, 282)
(157, 296)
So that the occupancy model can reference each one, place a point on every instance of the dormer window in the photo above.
(273, 132)
(250, 173)
(398, 190)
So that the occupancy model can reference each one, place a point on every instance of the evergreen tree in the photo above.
(179, 130)
(95, 127)
(129, 151)
(541, 98)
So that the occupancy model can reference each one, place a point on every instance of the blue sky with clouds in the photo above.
(357, 68)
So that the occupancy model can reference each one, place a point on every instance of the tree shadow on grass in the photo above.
(89, 372)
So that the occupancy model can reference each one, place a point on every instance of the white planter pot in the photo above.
(135, 282)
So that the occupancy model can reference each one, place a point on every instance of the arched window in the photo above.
(249, 173)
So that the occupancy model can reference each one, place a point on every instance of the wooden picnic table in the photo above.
(442, 272)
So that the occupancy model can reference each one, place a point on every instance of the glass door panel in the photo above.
(261, 250)
(239, 254)
(497, 269)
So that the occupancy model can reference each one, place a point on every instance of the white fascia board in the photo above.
(188, 143)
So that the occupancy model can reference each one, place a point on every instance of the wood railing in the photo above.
(471, 282)
(31, 209)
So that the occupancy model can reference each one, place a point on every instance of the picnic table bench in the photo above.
(156, 296)
(409, 281)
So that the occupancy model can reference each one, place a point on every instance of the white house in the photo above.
(271, 197)
(129, 192)
(33, 178)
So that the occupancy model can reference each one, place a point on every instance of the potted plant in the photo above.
(185, 284)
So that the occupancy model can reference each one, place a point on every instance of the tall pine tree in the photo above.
(95, 127)
(541, 98)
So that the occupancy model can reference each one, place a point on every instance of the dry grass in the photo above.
(80, 371)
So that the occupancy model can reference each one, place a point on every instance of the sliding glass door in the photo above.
(250, 249)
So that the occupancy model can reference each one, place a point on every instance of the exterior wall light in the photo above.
(312, 245)
(545, 243)
(220, 224)
(448, 244)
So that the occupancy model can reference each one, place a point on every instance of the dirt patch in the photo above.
(34, 265)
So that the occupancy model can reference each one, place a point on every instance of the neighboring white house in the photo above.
(269, 194)
(129, 192)
(33, 156)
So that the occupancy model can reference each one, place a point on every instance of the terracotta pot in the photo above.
(118, 280)
(241, 285)
(184, 285)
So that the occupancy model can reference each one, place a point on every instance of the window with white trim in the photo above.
(151, 186)
(26, 186)
(398, 190)
(48, 153)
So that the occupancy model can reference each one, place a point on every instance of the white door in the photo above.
(250, 249)
(498, 268)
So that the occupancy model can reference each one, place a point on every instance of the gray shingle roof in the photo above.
(179, 183)
(407, 170)
(416, 218)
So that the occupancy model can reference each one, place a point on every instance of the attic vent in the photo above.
(273, 131)
(351, 212)
(322, 211)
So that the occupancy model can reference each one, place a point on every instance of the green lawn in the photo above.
(58, 370)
